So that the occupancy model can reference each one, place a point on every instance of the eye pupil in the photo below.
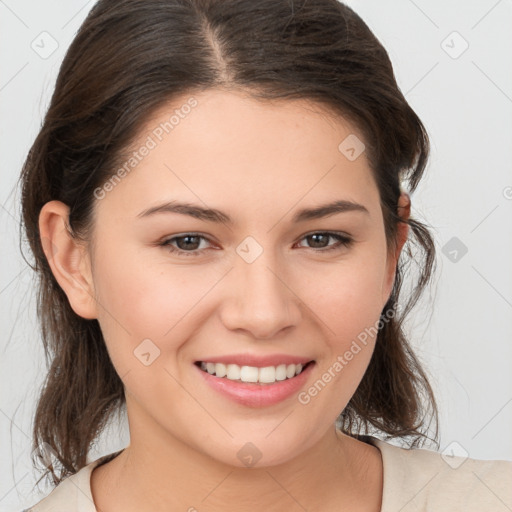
(179, 242)
(319, 235)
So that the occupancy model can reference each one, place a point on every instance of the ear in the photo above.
(404, 211)
(68, 259)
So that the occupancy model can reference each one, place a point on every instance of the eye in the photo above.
(343, 240)
(187, 241)
(188, 244)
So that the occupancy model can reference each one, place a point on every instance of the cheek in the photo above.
(346, 298)
(348, 309)
(139, 300)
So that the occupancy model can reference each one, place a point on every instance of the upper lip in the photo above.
(257, 361)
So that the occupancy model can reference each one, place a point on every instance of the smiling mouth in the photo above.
(253, 374)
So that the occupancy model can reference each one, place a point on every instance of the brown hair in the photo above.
(128, 59)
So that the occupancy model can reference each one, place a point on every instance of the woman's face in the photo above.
(264, 289)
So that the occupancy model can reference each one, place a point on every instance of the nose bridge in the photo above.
(259, 299)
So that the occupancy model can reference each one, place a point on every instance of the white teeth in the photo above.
(281, 372)
(249, 374)
(266, 375)
(220, 370)
(233, 372)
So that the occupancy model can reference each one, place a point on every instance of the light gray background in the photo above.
(462, 330)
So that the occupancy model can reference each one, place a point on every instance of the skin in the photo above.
(259, 162)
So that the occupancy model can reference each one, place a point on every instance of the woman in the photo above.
(217, 211)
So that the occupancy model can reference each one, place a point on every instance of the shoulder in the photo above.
(423, 479)
(73, 494)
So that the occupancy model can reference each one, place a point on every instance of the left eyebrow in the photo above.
(326, 210)
(214, 215)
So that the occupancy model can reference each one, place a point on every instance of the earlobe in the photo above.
(67, 258)
(404, 211)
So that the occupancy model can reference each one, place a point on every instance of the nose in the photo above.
(260, 299)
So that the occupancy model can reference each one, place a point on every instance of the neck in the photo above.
(166, 474)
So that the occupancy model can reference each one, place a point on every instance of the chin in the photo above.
(259, 451)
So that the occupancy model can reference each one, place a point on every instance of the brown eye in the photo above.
(319, 240)
(187, 244)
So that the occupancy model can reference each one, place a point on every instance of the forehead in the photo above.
(227, 148)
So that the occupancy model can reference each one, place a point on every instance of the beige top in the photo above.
(414, 480)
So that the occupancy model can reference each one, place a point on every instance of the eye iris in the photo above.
(319, 235)
(187, 246)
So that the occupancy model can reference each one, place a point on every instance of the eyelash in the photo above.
(343, 241)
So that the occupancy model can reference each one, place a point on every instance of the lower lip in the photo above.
(254, 394)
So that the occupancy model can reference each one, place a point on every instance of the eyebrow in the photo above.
(214, 215)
